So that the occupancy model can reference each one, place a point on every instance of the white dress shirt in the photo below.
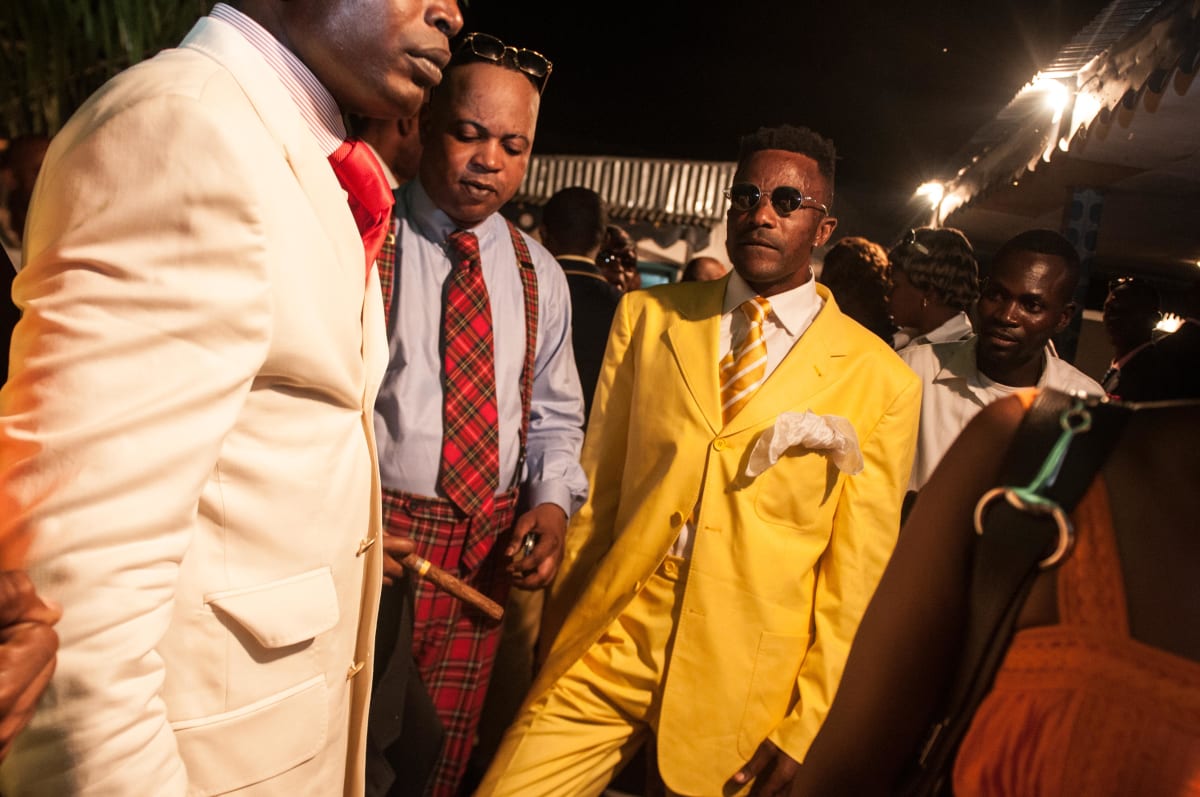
(408, 411)
(954, 391)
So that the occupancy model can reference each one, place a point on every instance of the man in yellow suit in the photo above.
(747, 455)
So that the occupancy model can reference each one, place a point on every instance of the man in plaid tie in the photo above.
(479, 419)
(708, 604)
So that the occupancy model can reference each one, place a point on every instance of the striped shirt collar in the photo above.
(313, 100)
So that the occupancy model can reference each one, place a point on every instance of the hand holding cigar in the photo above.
(454, 585)
(399, 555)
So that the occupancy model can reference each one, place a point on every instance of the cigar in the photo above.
(454, 585)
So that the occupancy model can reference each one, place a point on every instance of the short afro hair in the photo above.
(1043, 242)
(789, 138)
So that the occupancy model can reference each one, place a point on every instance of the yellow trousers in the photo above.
(583, 729)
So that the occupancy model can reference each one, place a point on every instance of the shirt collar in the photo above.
(313, 100)
(790, 308)
(582, 260)
(960, 364)
(433, 223)
(957, 360)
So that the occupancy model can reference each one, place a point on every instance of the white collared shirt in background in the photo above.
(954, 391)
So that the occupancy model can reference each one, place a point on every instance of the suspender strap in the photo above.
(530, 289)
(386, 263)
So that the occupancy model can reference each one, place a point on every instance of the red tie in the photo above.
(470, 469)
(368, 194)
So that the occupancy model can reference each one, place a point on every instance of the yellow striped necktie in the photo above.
(744, 367)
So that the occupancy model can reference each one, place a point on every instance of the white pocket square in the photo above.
(831, 434)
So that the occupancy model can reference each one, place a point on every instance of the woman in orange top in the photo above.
(1099, 693)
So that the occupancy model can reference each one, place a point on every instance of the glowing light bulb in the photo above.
(933, 191)
(1057, 95)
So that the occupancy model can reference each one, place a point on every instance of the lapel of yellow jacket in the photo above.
(693, 339)
(809, 367)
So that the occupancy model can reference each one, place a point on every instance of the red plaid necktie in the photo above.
(370, 199)
(470, 469)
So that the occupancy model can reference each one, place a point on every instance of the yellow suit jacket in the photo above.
(783, 565)
(187, 442)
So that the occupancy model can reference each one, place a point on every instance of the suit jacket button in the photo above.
(720, 444)
(676, 519)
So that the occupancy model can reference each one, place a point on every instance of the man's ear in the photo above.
(824, 230)
(1068, 313)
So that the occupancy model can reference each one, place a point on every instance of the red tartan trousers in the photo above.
(454, 645)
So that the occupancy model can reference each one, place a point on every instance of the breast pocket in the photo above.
(796, 490)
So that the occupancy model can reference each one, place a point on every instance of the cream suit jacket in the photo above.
(187, 444)
(783, 565)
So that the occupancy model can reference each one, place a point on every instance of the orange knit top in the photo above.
(1082, 708)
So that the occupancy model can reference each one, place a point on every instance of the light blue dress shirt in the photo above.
(408, 411)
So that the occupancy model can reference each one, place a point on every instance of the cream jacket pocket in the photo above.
(239, 748)
(284, 612)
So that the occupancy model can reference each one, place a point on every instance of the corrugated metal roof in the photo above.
(1109, 60)
(636, 189)
(1107, 29)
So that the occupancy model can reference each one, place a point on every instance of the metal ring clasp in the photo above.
(1033, 505)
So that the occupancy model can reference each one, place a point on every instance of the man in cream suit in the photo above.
(729, 544)
(186, 446)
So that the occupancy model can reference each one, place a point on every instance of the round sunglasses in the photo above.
(785, 199)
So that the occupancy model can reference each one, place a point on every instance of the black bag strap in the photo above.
(1006, 562)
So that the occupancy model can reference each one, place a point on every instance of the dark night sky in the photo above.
(900, 89)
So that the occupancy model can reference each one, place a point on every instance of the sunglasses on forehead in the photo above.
(485, 47)
(910, 240)
(785, 199)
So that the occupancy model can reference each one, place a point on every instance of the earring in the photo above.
(924, 303)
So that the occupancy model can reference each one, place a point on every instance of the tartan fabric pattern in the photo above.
(454, 645)
(386, 263)
(367, 193)
(469, 473)
(479, 542)
(529, 288)
(744, 366)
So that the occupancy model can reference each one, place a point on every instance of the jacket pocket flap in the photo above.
(284, 612)
(220, 752)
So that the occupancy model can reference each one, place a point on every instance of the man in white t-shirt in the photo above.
(1026, 299)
